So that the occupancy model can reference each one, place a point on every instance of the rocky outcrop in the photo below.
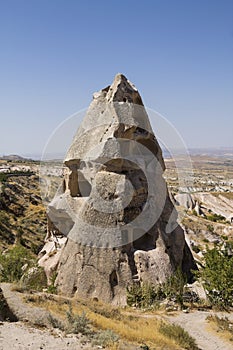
(185, 200)
(218, 203)
(114, 207)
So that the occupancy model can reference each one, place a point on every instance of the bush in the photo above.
(147, 295)
(173, 288)
(216, 275)
(34, 279)
(3, 177)
(105, 338)
(210, 228)
(216, 218)
(12, 263)
(77, 323)
(52, 288)
(144, 296)
(177, 333)
(55, 323)
(196, 249)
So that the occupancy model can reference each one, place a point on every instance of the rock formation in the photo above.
(204, 202)
(113, 211)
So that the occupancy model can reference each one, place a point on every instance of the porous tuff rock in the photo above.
(114, 207)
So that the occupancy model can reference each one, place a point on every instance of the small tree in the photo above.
(12, 262)
(216, 275)
(174, 286)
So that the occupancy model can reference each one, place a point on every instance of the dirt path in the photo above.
(18, 336)
(197, 326)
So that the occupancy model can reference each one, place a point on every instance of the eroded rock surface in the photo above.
(203, 201)
(114, 207)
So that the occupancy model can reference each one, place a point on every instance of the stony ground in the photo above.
(19, 336)
(23, 336)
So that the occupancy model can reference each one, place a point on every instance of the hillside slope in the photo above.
(22, 215)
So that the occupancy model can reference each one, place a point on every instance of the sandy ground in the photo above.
(19, 336)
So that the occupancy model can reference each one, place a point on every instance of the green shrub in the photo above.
(55, 323)
(216, 275)
(147, 295)
(144, 295)
(174, 287)
(196, 248)
(34, 279)
(225, 238)
(177, 333)
(52, 288)
(105, 338)
(3, 177)
(216, 218)
(12, 263)
(210, 228)
(77, 323)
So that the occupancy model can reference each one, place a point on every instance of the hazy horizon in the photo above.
(211, 151)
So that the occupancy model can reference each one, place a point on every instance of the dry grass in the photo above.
(228, 195)
(139, 330)
(222, 326)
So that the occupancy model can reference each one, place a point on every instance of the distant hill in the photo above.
(13, 157)
(225, 152)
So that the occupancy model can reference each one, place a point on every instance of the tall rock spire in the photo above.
(114, 209)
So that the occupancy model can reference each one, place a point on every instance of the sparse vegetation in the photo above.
(77, 323)
(128, 328)
(223, 325)
(196, 248)
(55, 322)
(215, 218)
(105, 338)
(176, 332)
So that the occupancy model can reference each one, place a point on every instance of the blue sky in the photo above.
(55, 53)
